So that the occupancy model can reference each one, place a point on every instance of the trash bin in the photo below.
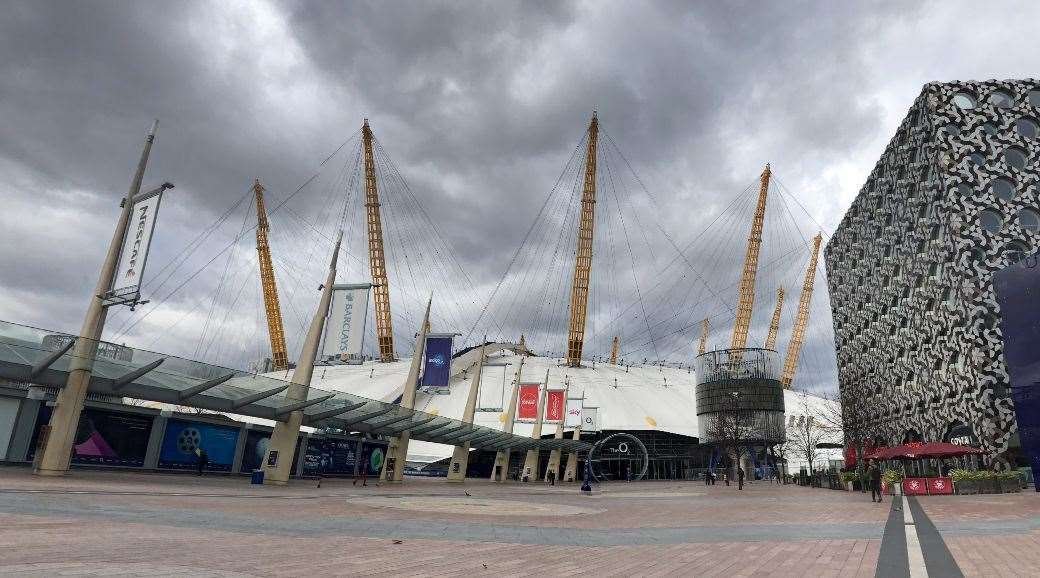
(258, 477)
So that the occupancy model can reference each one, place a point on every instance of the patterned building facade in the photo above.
(955, 197)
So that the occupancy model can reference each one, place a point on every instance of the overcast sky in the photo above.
(479, 105)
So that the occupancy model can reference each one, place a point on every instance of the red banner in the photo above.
(554, 405)
(940, 486)
(915, 486)
(527, 404)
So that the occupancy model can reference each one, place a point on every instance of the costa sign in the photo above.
(527, 404)
(554, 405)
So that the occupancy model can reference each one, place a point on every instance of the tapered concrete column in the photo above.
(286, 433)
(57, 450)
(554, 455)
(531, 461)
(501, 464)
(572, 460)
(460, 457)
(398, 448)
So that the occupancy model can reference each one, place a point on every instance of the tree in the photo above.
(810, 429)
(777, 448)
(730, 429)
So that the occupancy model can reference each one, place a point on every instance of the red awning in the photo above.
(918, 450)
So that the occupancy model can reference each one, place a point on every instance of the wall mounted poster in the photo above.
(527, 404)
(372, 455)
(256, 447)
(183, 437)
(105, 438)
(330, 456)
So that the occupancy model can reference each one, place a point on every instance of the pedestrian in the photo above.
(740, 478)
(725, 477)
(201, 459)
(874, 474)
(707, 478)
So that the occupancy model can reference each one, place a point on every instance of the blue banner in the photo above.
(182, 438)
(1018, 292)
(437, 366)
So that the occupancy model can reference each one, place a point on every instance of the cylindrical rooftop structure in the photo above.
(739, 396)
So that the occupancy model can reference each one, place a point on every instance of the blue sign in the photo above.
(1018, 292)
(437, 366)
(182, 438)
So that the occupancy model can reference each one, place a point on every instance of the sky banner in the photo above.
(437, 360)
(126, 286)
(1017, 288)
(554, 405)
(345, 329)
(573, 413)
(527, 404)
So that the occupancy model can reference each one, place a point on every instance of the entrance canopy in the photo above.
(38, 357)
(918, 450)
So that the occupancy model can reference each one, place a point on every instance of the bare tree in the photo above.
(777, 446)
(730, 429)
(810, 429)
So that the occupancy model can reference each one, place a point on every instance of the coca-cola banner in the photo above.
(527, 404)
(554, 405)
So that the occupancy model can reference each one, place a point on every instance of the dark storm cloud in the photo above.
(479, 104)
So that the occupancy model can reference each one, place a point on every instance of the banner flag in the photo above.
(590, 419)
(554, 405)
(527, 404)
(437, 364)
(126, 285)
(345, 328)
(573, 413)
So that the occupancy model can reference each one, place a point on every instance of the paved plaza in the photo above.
(115, 523)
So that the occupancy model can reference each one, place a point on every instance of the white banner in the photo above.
(126, 286)
(345, 327)
(590, 419)
(573, 413)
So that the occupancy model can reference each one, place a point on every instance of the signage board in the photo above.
(573, 418)
(183, 437)
(257, 442)
(527, 403)
(126, 285)
(372, 455)
(345, 328)
(554, 405)
(437, 360)
(1017, 288)
(325, 456)
(106, 438)
(590, 419)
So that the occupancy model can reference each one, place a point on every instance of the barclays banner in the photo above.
(437, 364)
(1018, 292)
(345, 328)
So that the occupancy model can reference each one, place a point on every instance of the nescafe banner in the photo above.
(554, 405)
(527, 403)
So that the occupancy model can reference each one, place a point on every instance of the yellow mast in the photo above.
(376, 259)
(614, 350)
(774, 325)
(279, 356)
(794, 347)
(583, 255)
(747, 280)
(705, 328)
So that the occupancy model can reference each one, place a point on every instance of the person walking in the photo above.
(874, 474)
(725, 477)
(740, 478)
(201, 459)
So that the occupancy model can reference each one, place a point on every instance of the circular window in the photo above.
(1016, 251)
(991, 221)
(964, 100)
(965, 190)
(1034, 97)
(1027, 127)
(952, 129)
(1015, 157)
(1001, 99)
(1003, 189)
(1029, 219)
(978, 159)
(989, 128)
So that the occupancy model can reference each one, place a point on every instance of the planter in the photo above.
(966, 487)
(850, 486)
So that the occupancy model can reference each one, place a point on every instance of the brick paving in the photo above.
(116, 523)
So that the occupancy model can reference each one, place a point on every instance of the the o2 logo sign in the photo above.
(622, 448)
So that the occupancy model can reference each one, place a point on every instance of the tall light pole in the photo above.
(60, 433)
